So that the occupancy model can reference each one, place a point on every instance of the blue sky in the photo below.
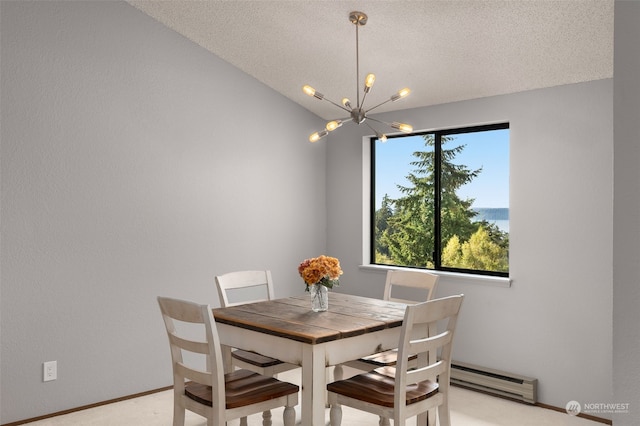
(489, 150)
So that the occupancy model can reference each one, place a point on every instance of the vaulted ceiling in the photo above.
(445, 50)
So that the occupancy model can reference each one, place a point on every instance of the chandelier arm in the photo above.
(378, 121)
(343, 120)
(404, 128)
(381, 136)
(364, 96)
(338, 105)
(380, 104)
(372, 128)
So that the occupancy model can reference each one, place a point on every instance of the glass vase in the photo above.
(319, 297)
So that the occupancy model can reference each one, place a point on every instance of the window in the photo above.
(440, 200)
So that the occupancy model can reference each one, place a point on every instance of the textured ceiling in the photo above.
(444, 50)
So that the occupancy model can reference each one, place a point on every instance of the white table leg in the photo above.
(313, 385)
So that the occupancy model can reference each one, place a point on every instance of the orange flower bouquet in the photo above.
(323, 270)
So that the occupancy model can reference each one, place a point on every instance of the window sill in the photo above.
(459, 277)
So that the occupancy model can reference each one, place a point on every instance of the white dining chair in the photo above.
(402, 392)
(240, 287)
(250, 286)
(202, 387)
(420, 286)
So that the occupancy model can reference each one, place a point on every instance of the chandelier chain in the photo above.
(357, 68)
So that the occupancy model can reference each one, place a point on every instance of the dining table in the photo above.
(287, 329)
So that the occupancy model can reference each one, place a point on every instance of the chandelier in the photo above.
(358, 114)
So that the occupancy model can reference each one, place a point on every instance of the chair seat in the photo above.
(377, 388)
(383, 359)
(242, 387)
(254, 358)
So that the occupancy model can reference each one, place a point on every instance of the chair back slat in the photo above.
(189, 345)
(193, 374)
(430, 343)
(236, 282)
(429, 372)
(446, 308)
(420, 285)
(186, 312)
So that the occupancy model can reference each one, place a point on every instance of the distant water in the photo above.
(497, 215)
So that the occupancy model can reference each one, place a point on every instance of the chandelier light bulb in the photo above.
(368, 82)
(383, 138)
(402, 93)
(346, 102)
(332, 125)
(406, 128)
(315, 137)
(312, 92)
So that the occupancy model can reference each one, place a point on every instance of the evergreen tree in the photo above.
(408, 237)
(382, 216)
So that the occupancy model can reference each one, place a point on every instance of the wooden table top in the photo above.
(292, 317)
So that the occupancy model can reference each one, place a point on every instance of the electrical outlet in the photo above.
(50, 371)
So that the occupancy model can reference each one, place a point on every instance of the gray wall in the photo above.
(554, 322)
(626, 211)
(134, 164)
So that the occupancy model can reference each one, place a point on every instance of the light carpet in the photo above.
(468, 408)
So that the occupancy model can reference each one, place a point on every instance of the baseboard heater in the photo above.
(494, 382)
